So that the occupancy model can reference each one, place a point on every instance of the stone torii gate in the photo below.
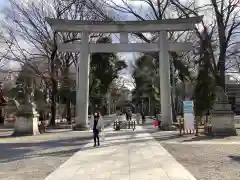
(163, 46)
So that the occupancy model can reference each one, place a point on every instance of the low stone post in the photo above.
(223, 123)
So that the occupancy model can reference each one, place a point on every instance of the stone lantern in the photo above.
(26, 116)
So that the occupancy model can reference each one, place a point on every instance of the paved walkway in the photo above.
(123, 155)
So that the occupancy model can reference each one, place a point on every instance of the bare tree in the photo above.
(156, 10)
(220, 30)
(28, 37)
(220, 34)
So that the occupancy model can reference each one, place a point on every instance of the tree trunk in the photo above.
(197, 119)
(174, 115)
(223, 42)
(67, 87)
(53, 102)
(1, 116)
(54, 87)
(221, 80)
(68, 107)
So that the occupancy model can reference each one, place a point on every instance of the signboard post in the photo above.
(188, 116)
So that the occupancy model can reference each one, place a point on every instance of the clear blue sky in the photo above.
(3, 3)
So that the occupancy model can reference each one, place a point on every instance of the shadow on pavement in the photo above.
(59, 147)
(22, 150)
(8, 133)
(203, 138)
(145, 140)
(166, 137)
(235, 158)
(16, 151)
(158, 135)
(23, 154)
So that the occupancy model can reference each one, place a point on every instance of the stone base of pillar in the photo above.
(165, 125)
(26, 121)
(80, 127)
(168, 128)
(237, 108)
(223, 125)
(222, 120)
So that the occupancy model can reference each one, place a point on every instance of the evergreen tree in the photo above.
(104, 69)
(204, 92)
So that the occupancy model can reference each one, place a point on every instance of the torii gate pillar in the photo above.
(165, 86)
(82, 82)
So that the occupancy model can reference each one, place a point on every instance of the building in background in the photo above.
(233, 92)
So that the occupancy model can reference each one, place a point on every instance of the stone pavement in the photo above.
(35, 157)
(123, 155)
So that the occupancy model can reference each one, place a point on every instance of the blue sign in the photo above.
(188, 106)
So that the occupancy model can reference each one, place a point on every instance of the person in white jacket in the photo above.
(138, 117)
(97, 126)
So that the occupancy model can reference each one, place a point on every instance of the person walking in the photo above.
(127, 117)
(143, 117)
(97, 127)
(138, 117)
(130, 114)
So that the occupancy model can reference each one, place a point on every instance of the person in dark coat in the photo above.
(143, 117)
(127, 117)
(96, 126)
(129, 112)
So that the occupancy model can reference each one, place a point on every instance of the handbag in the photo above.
(102, 135)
